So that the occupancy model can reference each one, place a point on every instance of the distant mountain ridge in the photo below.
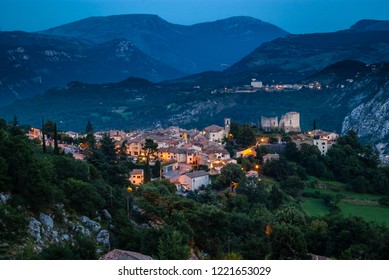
(190, 49)
(370, 24)
(308, 53)
(110, 49)
(296, 57)
(32, 63)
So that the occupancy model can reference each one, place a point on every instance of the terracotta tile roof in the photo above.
(137, 171)
(124, 255)
(197, 174)
(213, 128)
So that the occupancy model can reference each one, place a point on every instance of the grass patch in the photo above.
(315, 207)
(369, 213)
(346, 194)
(333, 184)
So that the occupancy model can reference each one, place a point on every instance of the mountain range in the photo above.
(296, 57)
(32, 63)
(189, 49)
(110, 49)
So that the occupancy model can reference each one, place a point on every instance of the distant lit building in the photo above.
(323, 145)
(137, 177)
(256, 84)
(194, 180)
(215, 133)
(270, 157)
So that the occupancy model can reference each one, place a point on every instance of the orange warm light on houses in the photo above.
(268, 230)
(248, 152)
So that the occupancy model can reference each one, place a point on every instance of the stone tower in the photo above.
(269, 124)
(227, 125)
(290, 122)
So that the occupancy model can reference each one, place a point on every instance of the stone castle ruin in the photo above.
(290, 122)
(269, 124)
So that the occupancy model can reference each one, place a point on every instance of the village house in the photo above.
(116, 135)
(170, 165)
(191, 156)
(134, 147)
(246, 153)
(194, 180)
(323, 135)
(182, 155)
(166, 154)
(34, 133)
(216, 153)
(215, 133)
(270, 157)
(74, 135)
(137, 177)
(217, 165)
(323, 145)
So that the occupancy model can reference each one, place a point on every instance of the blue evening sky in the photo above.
(295, 16)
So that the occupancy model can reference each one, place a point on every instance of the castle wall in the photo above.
(269, 124)
(290, 122)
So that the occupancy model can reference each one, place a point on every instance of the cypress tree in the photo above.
(90, 138)
(314, 124)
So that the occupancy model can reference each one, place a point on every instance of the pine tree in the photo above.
(150, 148)
(172, 247)
(90, 137)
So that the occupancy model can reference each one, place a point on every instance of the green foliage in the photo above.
(281, 169)
(292, 215)
(112, 167)
(156, 169)
(81, 196)
(245, 163)
(232, 256)
(293, 185)
(254, 190)
(235, 130)
(150, 147)
(13, 225)
(171, 246)
(273, 140)
(243, 134)
(218, 223)
(82, 249)
(260, 152)
(4, 247)
(287, 242)
(49, 128)
(229, 174)
(246, 137)
(56, 149)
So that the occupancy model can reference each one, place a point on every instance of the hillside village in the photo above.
(258, 86)
(189, 157)
(200, 190)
